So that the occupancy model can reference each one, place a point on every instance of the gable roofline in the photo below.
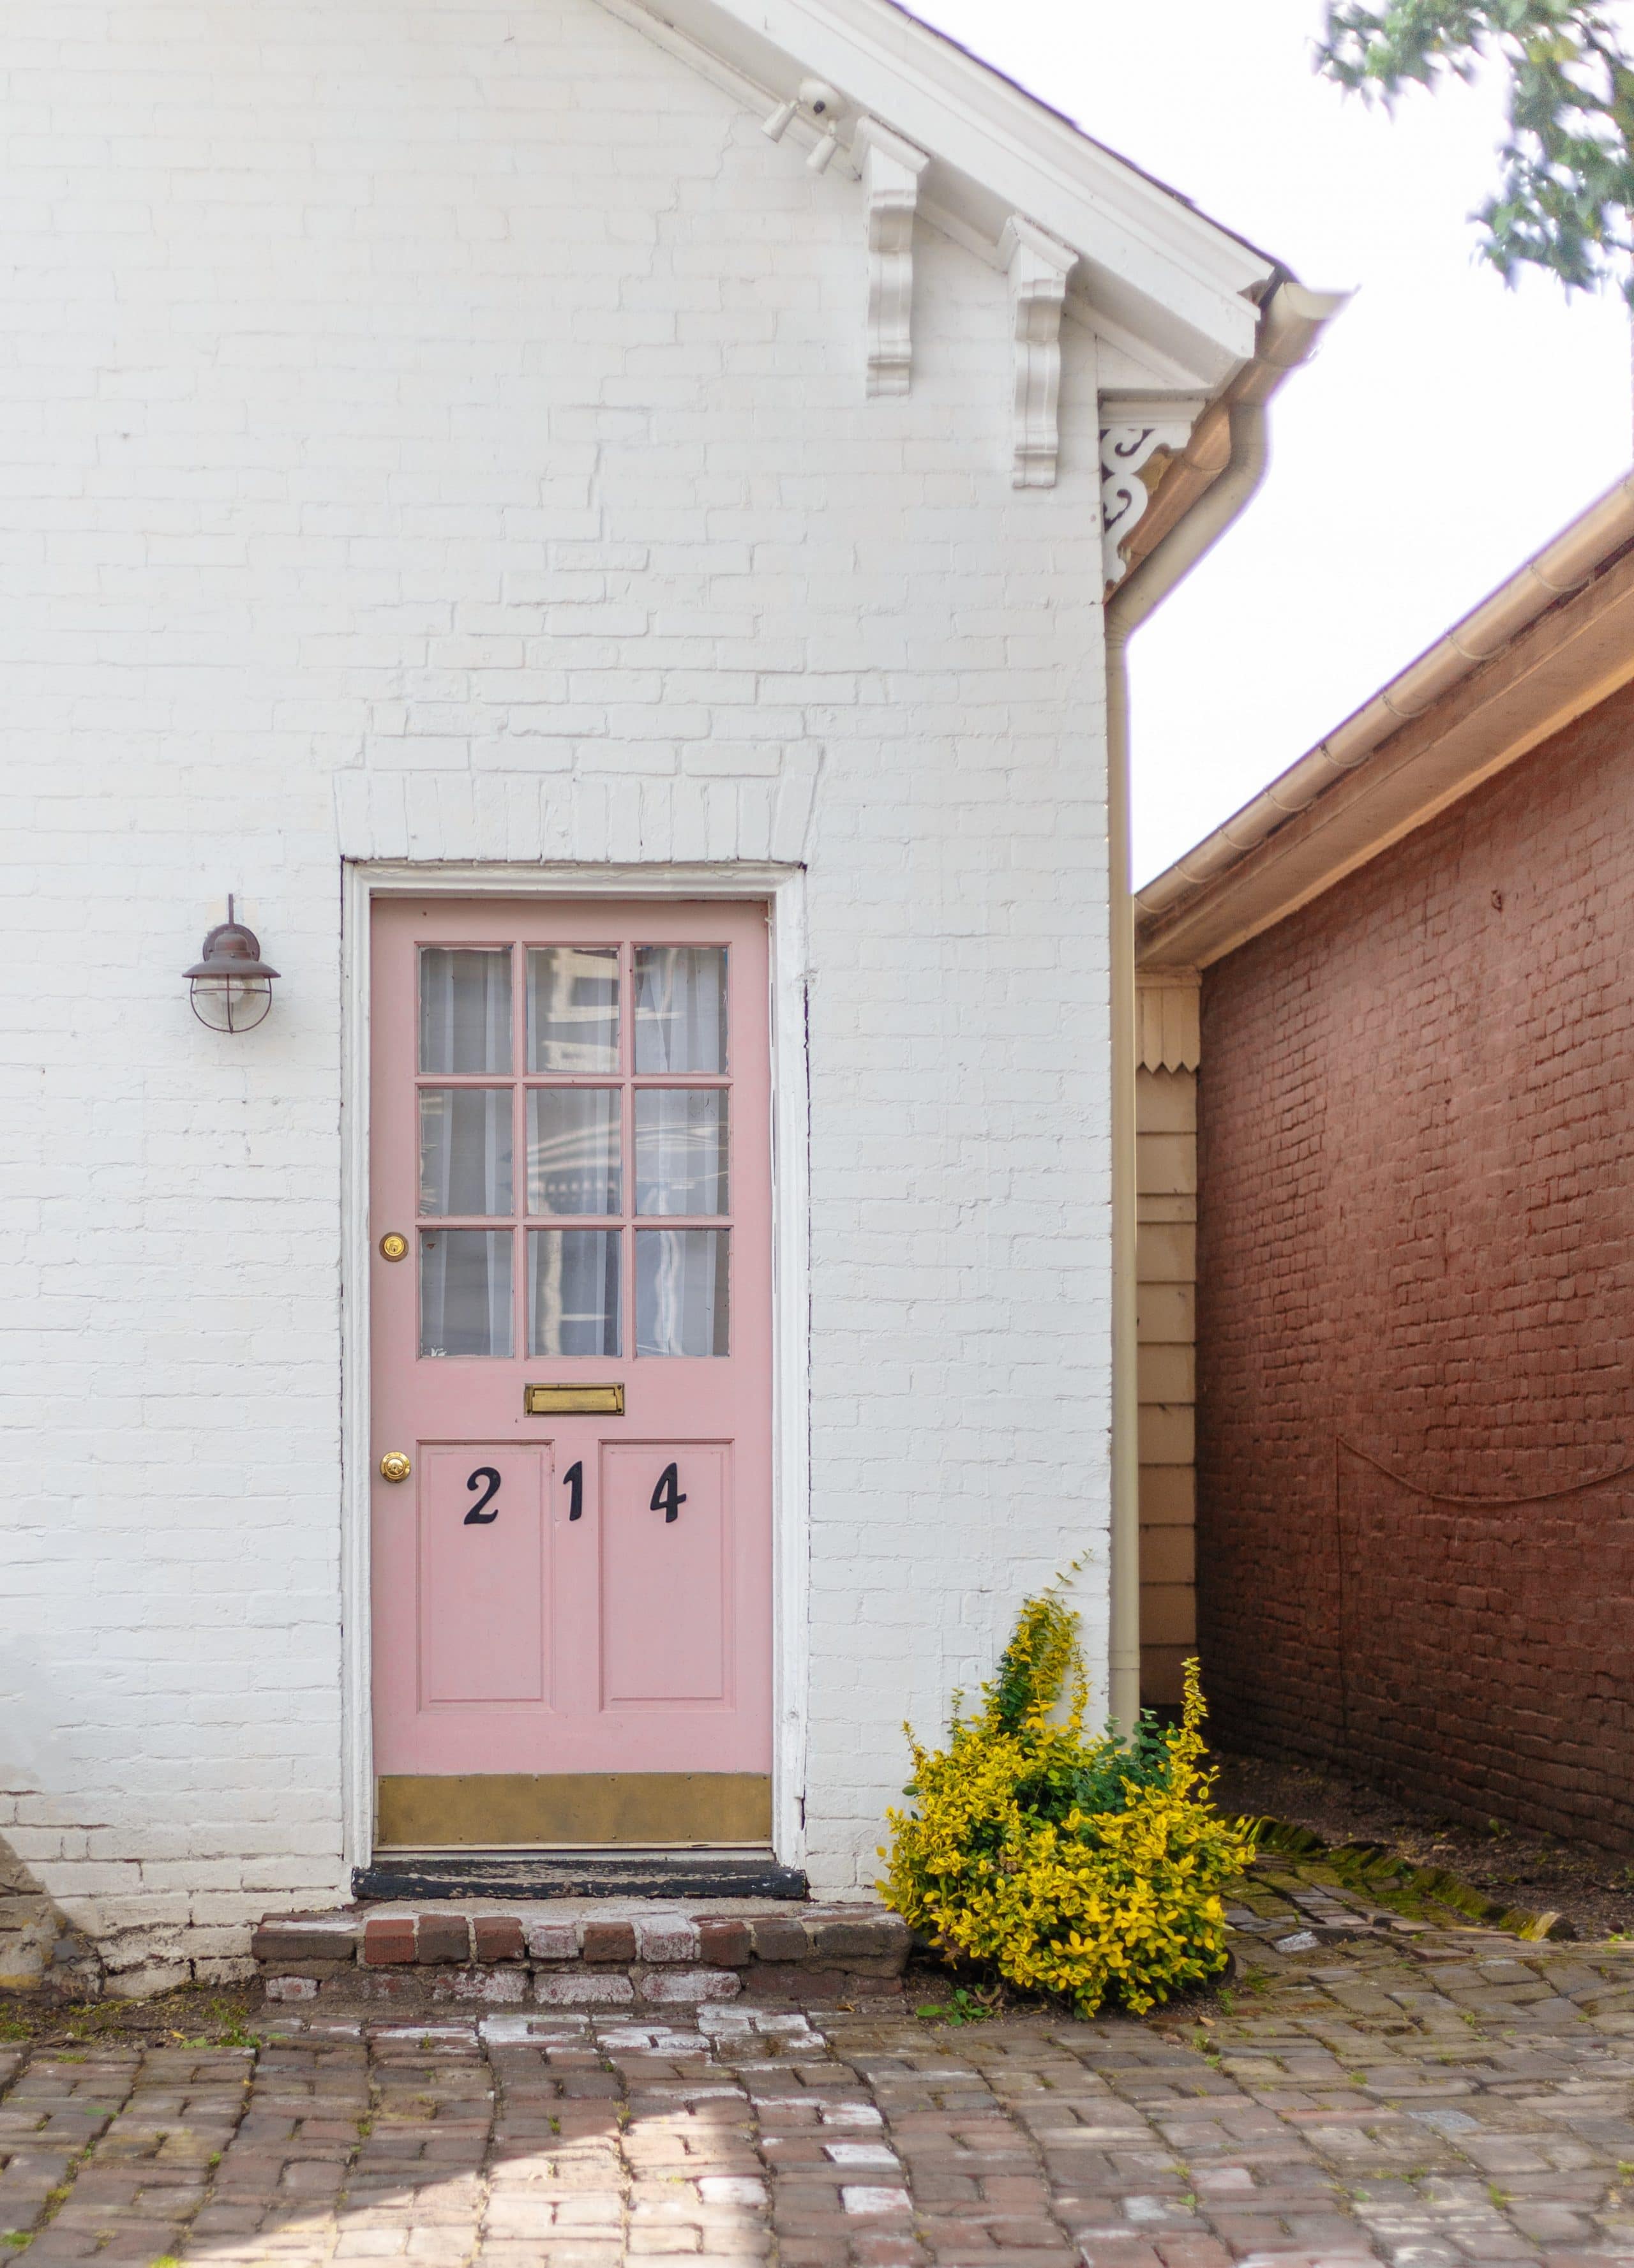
(1148, 258)
(1551, 643)
(1074, 127)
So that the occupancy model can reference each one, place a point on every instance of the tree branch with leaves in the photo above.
(1566, 188)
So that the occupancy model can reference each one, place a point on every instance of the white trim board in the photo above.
(1153, 261)
(784, 889)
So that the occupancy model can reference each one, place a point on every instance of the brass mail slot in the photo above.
(571, 1401)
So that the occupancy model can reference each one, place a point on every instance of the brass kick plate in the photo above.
(478, 1811)
(573, 1401)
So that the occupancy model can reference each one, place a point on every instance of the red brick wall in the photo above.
(1416, 1167)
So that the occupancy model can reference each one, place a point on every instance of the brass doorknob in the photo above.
(394, 1466)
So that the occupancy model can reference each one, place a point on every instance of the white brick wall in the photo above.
(439, 432)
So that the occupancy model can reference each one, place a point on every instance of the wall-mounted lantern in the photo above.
(232, 986)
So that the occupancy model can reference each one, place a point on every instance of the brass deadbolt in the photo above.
(393, 1246)
(394, 1466)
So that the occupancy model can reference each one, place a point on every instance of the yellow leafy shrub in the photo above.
(1087, 1868)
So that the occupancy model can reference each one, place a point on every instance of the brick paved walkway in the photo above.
(1449, 2099)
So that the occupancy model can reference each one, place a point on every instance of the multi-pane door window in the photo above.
(619, 1119)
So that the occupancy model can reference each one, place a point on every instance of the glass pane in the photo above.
(681, 1149)
(465, 1291)
(573, 1149)
(573, 1292)
(465, 1149)
(680, 1291)
(572, 1007)
(680, 1007)
(465, 1010)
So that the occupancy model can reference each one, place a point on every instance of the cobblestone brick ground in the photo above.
(1439, 2098)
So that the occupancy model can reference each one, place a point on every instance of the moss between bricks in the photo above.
(1429, 1894)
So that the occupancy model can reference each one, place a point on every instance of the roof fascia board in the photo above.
(1562, 666)
(1154, 374)
(1155, 264)
(1152, 371)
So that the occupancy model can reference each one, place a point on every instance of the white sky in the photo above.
(1447, 428)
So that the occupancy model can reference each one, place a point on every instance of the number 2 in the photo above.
(477, 1517)
(667, 1497)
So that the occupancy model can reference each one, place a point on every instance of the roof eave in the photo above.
(1152, 259)
(1550, 643)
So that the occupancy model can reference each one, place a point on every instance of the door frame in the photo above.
(782, 890)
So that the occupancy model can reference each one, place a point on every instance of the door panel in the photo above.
(570, 1127)
(484, 1590)
(665, 1574)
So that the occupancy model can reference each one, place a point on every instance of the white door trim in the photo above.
(784, 888)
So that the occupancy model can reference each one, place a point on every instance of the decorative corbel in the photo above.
(890, 169)
(1038, 266)
(1132, 434)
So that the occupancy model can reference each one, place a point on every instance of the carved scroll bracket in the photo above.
(1132, 434)
(1038, 266)
(890, 169)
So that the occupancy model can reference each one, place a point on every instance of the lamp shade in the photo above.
(230, 984)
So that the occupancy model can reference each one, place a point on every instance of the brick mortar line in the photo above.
(973, 2071)
(369, 2118)
(78, 2158)
(921, 2234)
(413, 2177)
(182, 2223)
(211, 2179)
(1337, 2200)
(498, 2098)
(769, 2170)
(26, 2051)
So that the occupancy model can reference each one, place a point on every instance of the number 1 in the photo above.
(573, 1481)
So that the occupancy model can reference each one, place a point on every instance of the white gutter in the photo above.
(1563, 566)
(1291, 323)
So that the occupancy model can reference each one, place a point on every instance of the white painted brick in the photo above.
(417, 470)
(686, 1988)
(584, 1988)
(551, 1940)
(665, 1937)
(291, 1988)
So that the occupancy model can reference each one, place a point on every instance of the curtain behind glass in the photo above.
(680, 1150)
(465, 1291)
(464, 1150)
(681, 1292)
(465, 1010)
(680, 1007)
(573, 1292)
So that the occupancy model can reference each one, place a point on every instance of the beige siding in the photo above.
(1166, 1120)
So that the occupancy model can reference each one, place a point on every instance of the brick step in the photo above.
(588, 1953)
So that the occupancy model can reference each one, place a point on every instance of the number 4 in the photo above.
(667, 1497)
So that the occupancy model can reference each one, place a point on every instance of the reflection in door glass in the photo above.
(680, 1291)
(572, 1007)
(680, 1007)
(681, 1149)
(464, 1150)
(465, 1291)
(465, 1010)
(573, 1292)
(573, 1149)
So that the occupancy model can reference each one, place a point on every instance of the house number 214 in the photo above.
(667, 1495)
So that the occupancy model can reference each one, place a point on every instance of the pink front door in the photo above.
(572, 1583)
